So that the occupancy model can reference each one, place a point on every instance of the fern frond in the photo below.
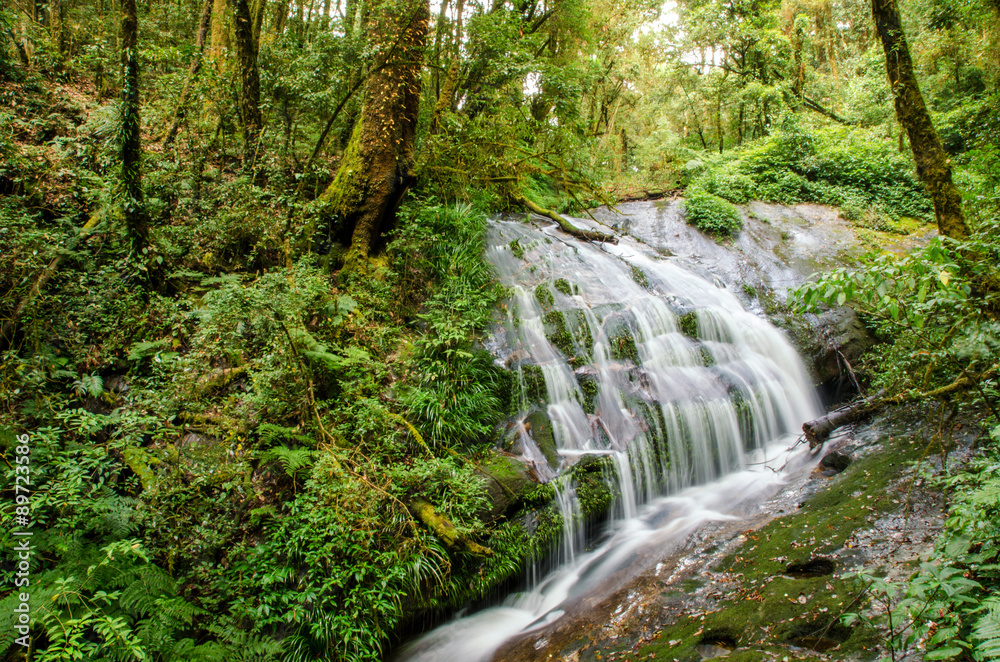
(292, 460)
(986, 632)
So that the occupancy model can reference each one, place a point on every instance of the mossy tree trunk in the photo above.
(134, 204)
(933, 167)
(182, 100)
(56, 24)
(220, 37)
(376, 169)
(249, 106)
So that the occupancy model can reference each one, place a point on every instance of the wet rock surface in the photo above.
(772, 586)
(779, 248)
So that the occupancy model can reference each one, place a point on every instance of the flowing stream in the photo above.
(692, 402)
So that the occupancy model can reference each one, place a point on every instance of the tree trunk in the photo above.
(246, 51)
(219, 41)
(56, 25)
(259, 10)
(377, 167)
(182, 101)
(933, 166)
(134, 205)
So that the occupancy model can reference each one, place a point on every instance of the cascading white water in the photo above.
(695, 403)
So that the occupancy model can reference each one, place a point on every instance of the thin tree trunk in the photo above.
(259, 9)
(280, 16)
(246, 47)
(134, 205)
(438, 38)
(569, 228)
(199, 56)
(933, 166)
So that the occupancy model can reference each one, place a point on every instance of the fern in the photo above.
(292, 460)
(986, 633)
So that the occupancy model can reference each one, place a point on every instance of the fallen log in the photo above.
(569, 228)
(442, 527)
(819, 429)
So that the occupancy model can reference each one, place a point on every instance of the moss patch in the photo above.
(589, 389)
(544, 296)
(534, 383)
(689, 324)
(582, 336)
(516, 248)
(540, 428)
(639, 276)
(622, 346)
(558, 335)
(566, 287)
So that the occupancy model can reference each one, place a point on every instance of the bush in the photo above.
(710, 213)
(834, 166)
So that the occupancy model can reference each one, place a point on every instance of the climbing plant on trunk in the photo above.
(249, 106)
(133, 203)
(377, 167)
(933, 167)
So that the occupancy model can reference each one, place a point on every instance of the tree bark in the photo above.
(377, 167)
(182, 101)
(219, 40)
(134, 204)
(933, 166)
(249, 107)
(56, 25)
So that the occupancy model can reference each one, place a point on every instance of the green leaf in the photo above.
(943, 653)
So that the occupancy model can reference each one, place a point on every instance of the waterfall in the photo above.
(693, 399)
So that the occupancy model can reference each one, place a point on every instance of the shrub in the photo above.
(834, 166)
(710, 213)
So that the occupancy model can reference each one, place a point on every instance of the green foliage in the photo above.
(835, 166)
(710, 213)
(454, 387)
(925, 303)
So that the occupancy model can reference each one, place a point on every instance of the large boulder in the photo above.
(507, 481)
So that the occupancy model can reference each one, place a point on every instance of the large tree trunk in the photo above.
(377, 167)
(220, 37)
(134, 205)
(246, 51)
(933, 166)
(199, 56)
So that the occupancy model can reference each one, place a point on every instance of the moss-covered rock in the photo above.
(622, 347)
(533, 380)
(540, 428)
(567, 288)
(544, 296)
(689, 324)
(557, 333)
(784, 589)
(507, 482)
(639, 276)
